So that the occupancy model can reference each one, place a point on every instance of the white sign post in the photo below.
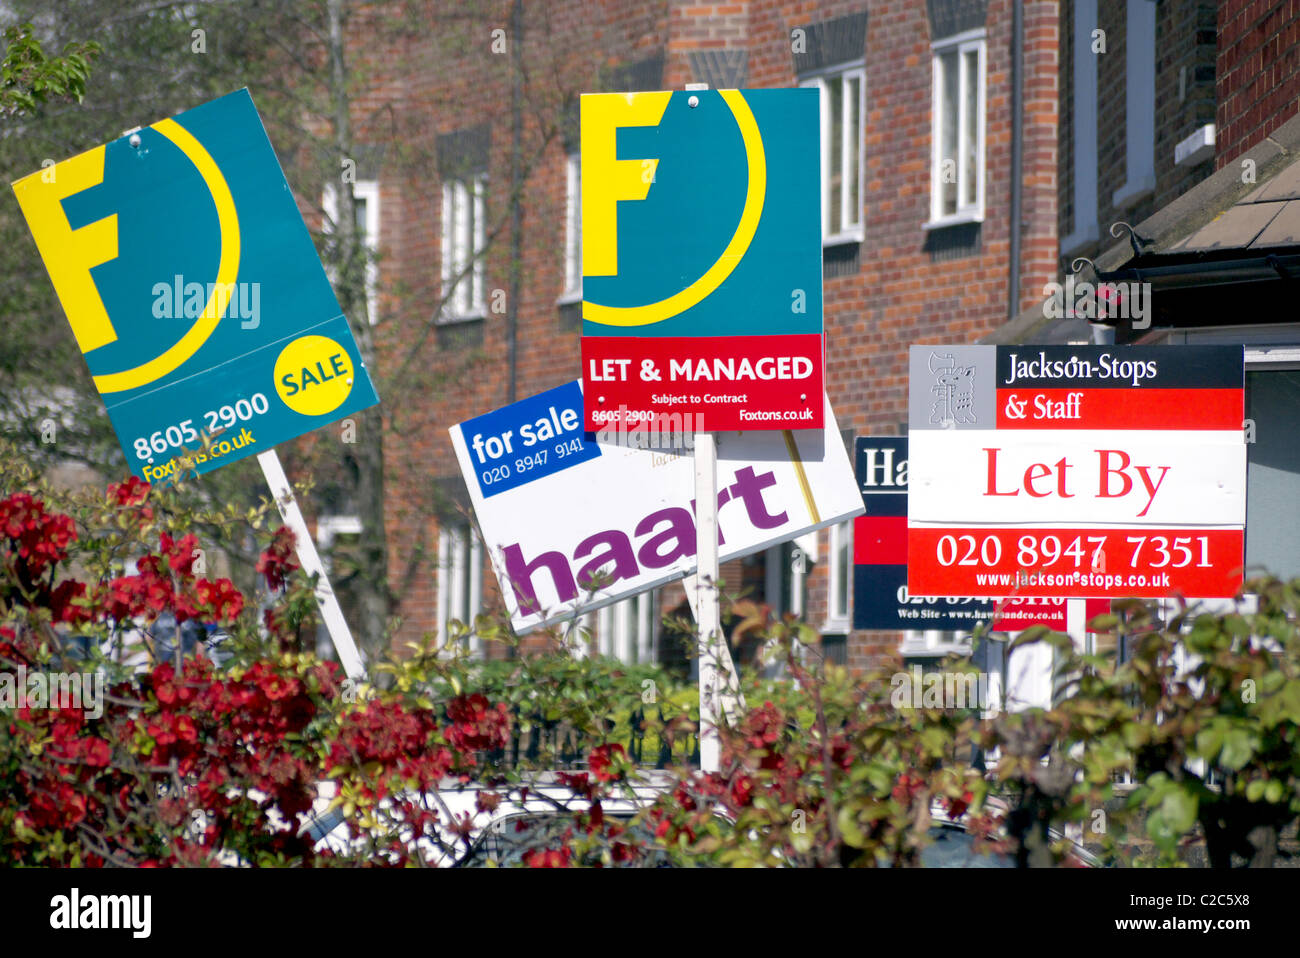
(719, 687)
(717, 671)
(285, 501)
(709, 617)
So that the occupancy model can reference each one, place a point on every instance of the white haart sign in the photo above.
(573, 524)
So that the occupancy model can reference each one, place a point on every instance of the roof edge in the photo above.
(1208, 199)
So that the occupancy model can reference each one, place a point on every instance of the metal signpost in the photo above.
(702, 288)
(197, 297)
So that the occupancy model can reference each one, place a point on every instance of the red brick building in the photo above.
(940, 211)
(1179, 142)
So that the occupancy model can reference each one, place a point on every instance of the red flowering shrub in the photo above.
(187, 763)
(476, 725)
(32, 542)
(190, 762)
(826, 774)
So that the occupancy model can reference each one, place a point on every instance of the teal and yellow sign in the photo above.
(194, 291)
(702, 258)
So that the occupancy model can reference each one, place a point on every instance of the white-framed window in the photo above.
(1139, 104)
(843, 113)
(840, 584)
(1084, 132)
(341, 533)
(572, 229)
(626, 629)
(957, 137)
(460, 579)
(463, 240)
(919, 642)
(787, 567)
(365, 199)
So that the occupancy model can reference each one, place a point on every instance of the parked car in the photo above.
(539, 820)
(516, 824)
(953, 846)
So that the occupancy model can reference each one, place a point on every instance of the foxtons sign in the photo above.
(1077, 471)
(702, 258)
(194, 291)
(573, 521)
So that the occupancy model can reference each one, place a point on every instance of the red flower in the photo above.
(219, 599)
(602, 762)
(579, 783)
(130, 493)
(61, 605)
(742, 791)
(907, 788)
(957, 806)
(185, 729)
(623, 852)
(476, 724)
(39, 539)
(277, 562)
(180, 553)
(276, 687)
(164, 686)
(96, 752)
(550, 858)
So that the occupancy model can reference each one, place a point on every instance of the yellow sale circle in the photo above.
(314, 375)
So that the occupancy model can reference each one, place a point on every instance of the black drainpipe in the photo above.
(1017, 149)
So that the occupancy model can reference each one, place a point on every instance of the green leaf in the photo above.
(802, 841)
(1030, 635)
(1236, 625)
(1209, 741)
(1135, 734)
(849, 830)
(1238, 749)
(1289, 701)
(1174, 817)
(881, 778)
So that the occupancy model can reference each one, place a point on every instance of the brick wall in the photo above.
(1186, 45)
(904, 285)
(1258, 72)
(1185, 48)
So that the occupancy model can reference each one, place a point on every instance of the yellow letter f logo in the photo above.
(70, 254)
(606, 179)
